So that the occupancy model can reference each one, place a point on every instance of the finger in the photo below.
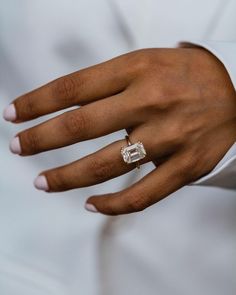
(98, 167)
(155, 186)
(79, 88)
(90, 121)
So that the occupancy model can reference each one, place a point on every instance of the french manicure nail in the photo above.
(91, 208)
(41, 183)
(15, 146)
(9, 114)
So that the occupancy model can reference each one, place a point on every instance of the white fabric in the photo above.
(49, 245)
(223, 175)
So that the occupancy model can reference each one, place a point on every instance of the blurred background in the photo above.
(49, 244)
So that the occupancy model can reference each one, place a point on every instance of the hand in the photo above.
(179, 102)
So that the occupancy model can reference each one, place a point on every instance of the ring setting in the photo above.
(133, 152)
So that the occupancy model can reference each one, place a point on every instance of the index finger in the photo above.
(78, 88)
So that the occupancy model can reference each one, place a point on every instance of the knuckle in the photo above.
(108, 205)
(153, 103)
(143, 59)
(189, 168)
(30, 142)
(65, 89)
(26, 107)
(75, 124)
(101, 169)
(139, 61)
(57, 180)
(175, 135)
(151, 60)
(163, 100)
(157, 100)
(137, 203)
(166, 97)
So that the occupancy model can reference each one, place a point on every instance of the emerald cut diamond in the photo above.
(133, 153)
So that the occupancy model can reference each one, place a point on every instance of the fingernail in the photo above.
(15, 146)
(41, 183)
(91, 208)
(9, 114)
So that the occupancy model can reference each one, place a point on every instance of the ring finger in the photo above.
(98, 167)
(95, 168)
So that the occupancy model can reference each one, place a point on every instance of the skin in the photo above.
(179, 102)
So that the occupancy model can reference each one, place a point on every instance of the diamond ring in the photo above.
(133, 153)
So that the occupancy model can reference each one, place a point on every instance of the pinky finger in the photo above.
(158, 184)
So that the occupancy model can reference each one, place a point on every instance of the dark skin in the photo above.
(179, 102)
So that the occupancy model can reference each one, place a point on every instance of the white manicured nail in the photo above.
(41, 183)
(91, 208)
(15, 146)
(9, 114)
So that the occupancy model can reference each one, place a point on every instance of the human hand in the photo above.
(180, 103)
